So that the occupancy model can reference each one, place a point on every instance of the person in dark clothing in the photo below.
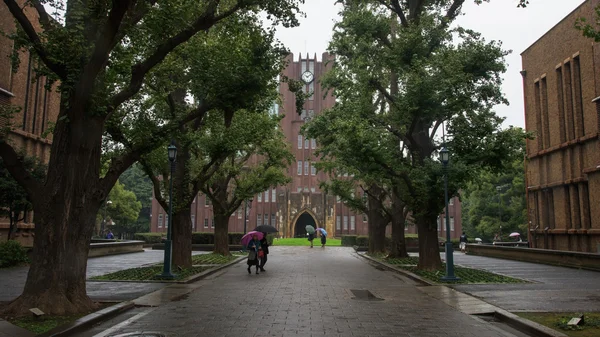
(311, 237)
(253, 249)
(264, 243)
(463, 242)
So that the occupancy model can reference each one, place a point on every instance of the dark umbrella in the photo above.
(266, 229)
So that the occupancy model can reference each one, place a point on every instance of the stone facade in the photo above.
(290, 208)
(21, 88)
(560, 79)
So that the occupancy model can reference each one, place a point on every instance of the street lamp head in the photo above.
(444, 155)
(172, 151)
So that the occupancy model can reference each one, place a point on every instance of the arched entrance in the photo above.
(300, 227)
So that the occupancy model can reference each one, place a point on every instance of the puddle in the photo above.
(364, 295)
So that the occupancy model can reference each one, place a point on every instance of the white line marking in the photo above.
(123, 324)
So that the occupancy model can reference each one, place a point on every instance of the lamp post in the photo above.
(246, 213)
(108, 202)
(172, 152)
(445, 158)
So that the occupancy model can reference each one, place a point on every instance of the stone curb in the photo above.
(519, 323)
(89, 320)
(525, 325)
(406, 273)
(190, 279)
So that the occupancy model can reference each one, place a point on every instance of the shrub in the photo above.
(203, 238)
(149, 237)
(362, 241)
(348, 240)
(235, 238)
(12, 254)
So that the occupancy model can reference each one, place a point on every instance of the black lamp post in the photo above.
(102, 227)
(445, 158)
(246, 213)
(172, 152)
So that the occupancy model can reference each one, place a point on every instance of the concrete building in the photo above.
(22, 88)
(561, 88)
(290, 208)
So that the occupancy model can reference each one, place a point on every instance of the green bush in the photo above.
(348, 240)
(12, 254)
(362, 241)
(203, 238)
(235, 238)
(149, 237)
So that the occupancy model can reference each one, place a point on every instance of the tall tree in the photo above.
(101, 52)
(400, 70)
(123, 210)
(259, 163)
(233, 69)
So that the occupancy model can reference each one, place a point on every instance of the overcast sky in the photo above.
(517, 28)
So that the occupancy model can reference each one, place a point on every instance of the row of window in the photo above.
(299, 189)
(569, 104)
(273, 196)
(313, 169)
(441, 226)
(338, 222)
(308, 143)
(259, 220)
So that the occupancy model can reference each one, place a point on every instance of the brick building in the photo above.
(24, 89)
(290, 208)
(561, 88)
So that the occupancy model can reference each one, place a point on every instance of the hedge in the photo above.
(197, 238)
(12, 254)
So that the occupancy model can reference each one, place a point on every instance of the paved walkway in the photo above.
(308, 292)
(556, 288)
(12, 280)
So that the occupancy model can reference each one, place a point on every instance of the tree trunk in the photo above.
(182, 237)
(429, 249)
(222, 234)
(377, 236)
(65, 209)
(398, 246)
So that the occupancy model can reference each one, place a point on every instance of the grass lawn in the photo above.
(305, 242)
(39, 325)
(558, 321)
(149, 273)
(213, 258)
(466, 275)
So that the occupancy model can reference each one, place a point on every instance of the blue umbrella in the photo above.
(323, 231)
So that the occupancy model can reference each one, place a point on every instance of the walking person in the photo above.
(254, 248)
(264, 244)
(463, 242)
(311, 237)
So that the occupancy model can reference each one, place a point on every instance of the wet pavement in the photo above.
(12, 280)
(307, 292)
(557, 289)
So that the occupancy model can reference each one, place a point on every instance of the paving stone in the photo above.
(306, 292)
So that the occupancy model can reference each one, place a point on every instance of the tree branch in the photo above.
(155, 184)
(44, 18)
(398, 10)
(139, 71)
(15, 167)
(453, 11)
(34, 38)
(103, 46)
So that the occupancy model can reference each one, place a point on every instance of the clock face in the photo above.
(307, 77)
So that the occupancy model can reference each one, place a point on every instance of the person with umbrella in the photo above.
(463, 242)
(323, 233)
(264, 243)
(254, 249)
(310, 230)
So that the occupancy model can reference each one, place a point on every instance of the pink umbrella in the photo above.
(513, 234)
(248, 237)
